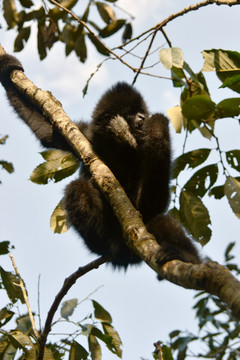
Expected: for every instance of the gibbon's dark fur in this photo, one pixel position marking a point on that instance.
(136, 147)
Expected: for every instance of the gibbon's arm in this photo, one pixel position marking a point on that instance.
(28, 111)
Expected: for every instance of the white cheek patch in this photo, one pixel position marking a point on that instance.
(119, 126)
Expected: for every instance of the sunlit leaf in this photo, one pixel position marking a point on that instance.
(94, 347)
(106, 12)
(171, 57)
(100, 313)
(58, 222)
(10, 12)
(115, 339)
(176, 118)
(112, 28)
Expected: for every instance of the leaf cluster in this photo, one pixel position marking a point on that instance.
(198, 111)
(218, 336)
(96, 327)
(54, 24)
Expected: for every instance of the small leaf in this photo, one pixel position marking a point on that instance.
(233, 159)
(195, 217)
(77, 352)
(10, 13)
(7, 166)
(68, 308)
(26, 3)
(171, 57)
(22, 37)
(10, 282)
(106, 12)
(191, 159)
(228, 108)
(80, 47)
(115, 339)
(127, 34)
(22, 341)
(176, 118)
(5, 316)
(199, 107)
(217, 192)
(59, 165)
(58, 222)
(94, 347)
(202, 180)
(100, 313)
(112, 28)
(99, 46)
(232, 191)
(4, 247)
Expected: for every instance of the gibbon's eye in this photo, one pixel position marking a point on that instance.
(138, 121)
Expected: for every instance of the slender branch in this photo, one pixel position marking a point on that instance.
(25, 296)
(145, 57)
(68, 283)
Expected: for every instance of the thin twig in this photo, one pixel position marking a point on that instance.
(25, 296)
(68, 283)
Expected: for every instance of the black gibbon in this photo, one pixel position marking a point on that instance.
(135, 145)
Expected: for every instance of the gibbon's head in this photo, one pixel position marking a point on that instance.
(122, 99)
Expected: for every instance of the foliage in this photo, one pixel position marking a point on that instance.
(3, 163)
(198, 111)
(96, 327)
(54, 24)
(218, 336)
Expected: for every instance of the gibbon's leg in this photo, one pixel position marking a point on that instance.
(93, 218)
(175, 244)
(156, 163)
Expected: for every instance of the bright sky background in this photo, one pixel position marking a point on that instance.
(143, 310)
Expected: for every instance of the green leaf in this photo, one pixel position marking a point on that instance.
(80, 47)
(77, 352)
(127, 33)
(23, 36)
(10, 282)
(99, 46)
(202, 180)
(233, 159)
(217, 192)
(172, 57)
(191, 159)
(4, 247)
(228, 108)
(7, 166)
(5, 316)
(232, 191)
(195, 217)
(106, 12)
(166, 352)
(26, 3)
(58, 222)
(94, 347)
(199, 107)
(100, 313)
(112, 28)
(59, 165)
(68, 308)
(115, 339)
(10, 13)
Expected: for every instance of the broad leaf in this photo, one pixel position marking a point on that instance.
(191, 159)
(202, 180)
(232, 191)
